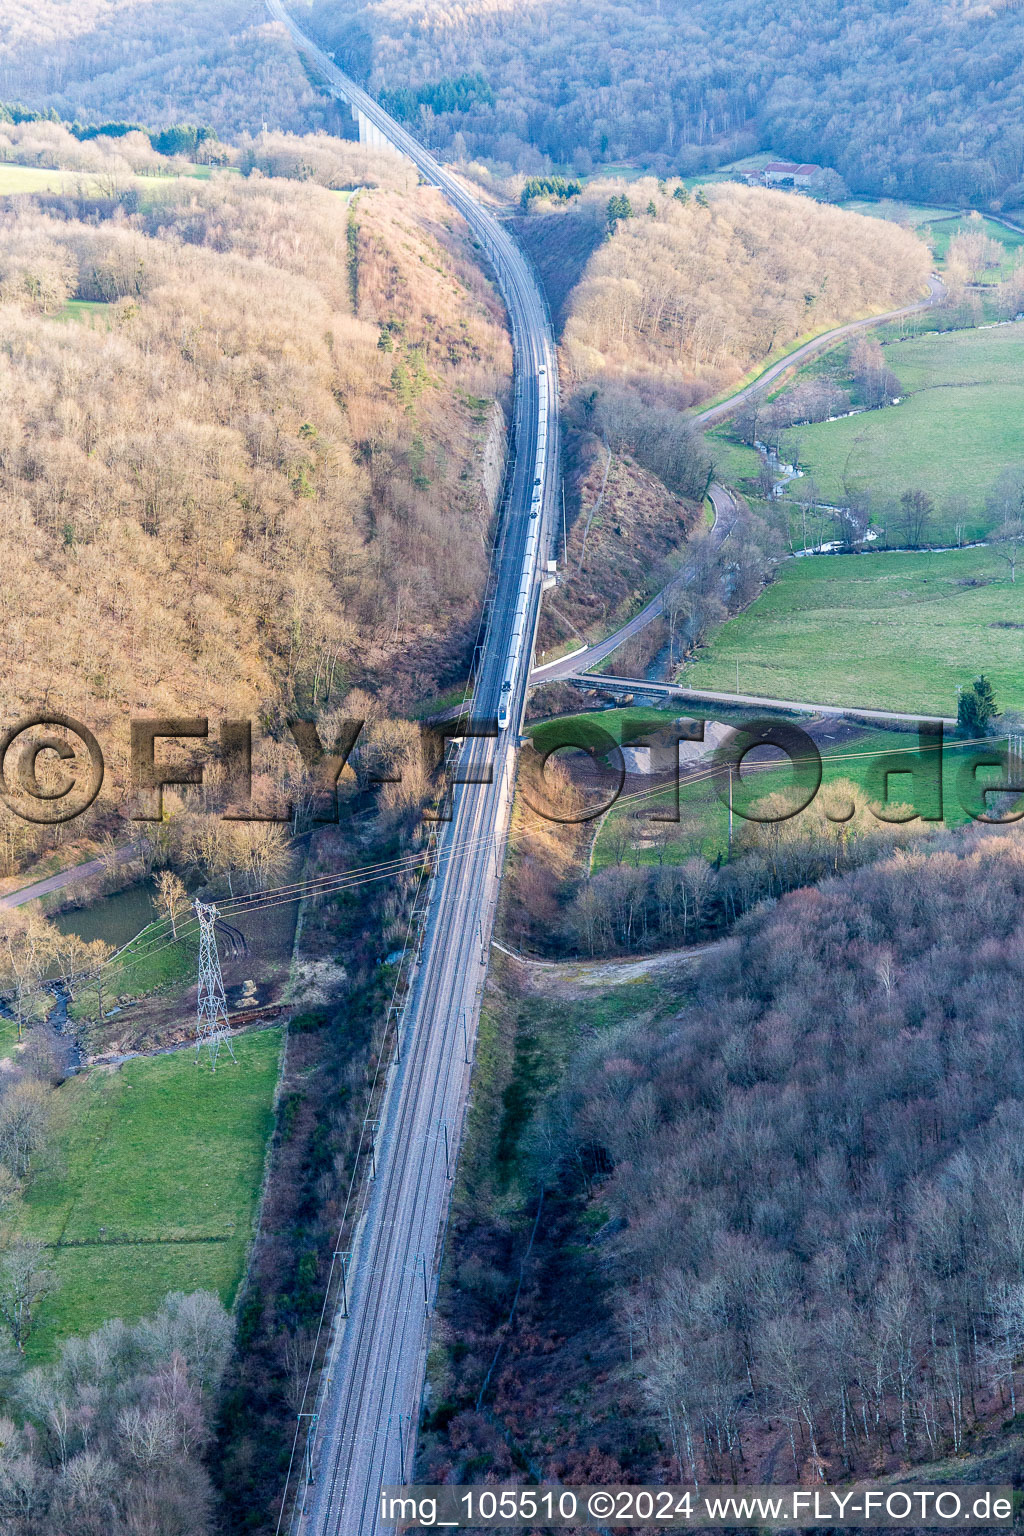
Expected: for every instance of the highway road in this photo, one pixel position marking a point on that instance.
(367, 1406)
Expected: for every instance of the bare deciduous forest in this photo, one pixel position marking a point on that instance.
(112, 1439)
(254, 434)
(219, 62)
(556, 905)
(911, 100)
(666, 298)
(689, 295)
(793, 1204)
(245, 426)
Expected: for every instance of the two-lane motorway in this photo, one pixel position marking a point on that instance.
(368, 1405)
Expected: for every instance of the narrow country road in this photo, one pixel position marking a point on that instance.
(716, 413)
(755, 700)
(569, 977)
(65, 877)
(726, 508)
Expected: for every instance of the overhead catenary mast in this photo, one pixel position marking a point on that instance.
(211, 1003)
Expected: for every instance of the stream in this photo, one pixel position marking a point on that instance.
(116, 919)
(58, 1020)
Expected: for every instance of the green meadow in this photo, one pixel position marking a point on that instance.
(940, 232)
(880, 631)
(958, 426)
(153, 1183)
(23, 179)
(152, 960)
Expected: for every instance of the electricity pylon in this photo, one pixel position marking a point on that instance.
(211, 1003)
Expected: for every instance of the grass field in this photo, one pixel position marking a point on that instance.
(960, 425)
(619, 724)
(982, 422)
(914, 214)
(886, 631)
(28, 178)
(847, 752)
(83, 309)
(735, 463)
(15, 179)
(155, 1187)
(938, 227)
(8, 1038)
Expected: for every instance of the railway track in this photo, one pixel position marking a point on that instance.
(358, 1433)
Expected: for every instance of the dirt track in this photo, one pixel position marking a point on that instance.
(571, 977)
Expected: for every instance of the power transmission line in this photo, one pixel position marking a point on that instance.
(158, 937)
(211, 1003)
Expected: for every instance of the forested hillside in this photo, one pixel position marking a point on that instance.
(915, 100)
(665, 298)
(219, 62)
(242, 450)
(899, 99)
(786, 1203)
(690, 292)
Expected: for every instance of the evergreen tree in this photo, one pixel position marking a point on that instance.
(976, 709)
(619, 207)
